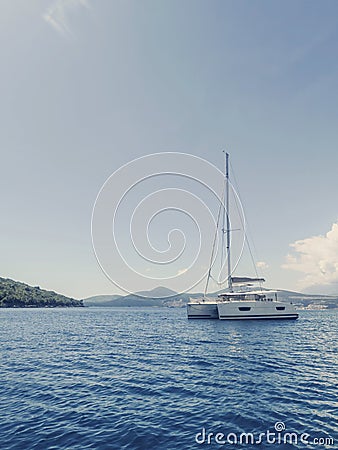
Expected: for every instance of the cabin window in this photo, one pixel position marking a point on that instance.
(280, 308)
(244, 308)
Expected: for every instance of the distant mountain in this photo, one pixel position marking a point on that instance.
(101, 300)
(154, 297)
(159, 296)
(162, 296)
(14, 294)
(157, 292)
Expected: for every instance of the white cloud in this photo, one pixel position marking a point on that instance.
(57, 15)
(262, 265)
(317, 258)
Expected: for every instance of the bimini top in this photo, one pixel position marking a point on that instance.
(237, 294)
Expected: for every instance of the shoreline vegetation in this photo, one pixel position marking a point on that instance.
(14, 294)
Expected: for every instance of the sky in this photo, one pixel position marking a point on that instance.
(87, 87)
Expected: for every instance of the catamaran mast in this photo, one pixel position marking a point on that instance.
(228, 220)
(225, 210)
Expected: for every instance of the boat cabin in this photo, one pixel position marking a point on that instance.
(258, 296)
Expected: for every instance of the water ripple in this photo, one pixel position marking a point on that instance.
(98, 378)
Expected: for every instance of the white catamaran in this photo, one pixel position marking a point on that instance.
(245, 304)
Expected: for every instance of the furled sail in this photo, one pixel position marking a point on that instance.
(244, 280)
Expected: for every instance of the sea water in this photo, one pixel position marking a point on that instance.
(107, 378)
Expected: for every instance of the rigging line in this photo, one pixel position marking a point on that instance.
(247, 240)
(223, 231)
(216, 281)
(225, 213)
(213, 248)
(245, 234)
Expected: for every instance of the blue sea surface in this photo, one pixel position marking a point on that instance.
(107, 378)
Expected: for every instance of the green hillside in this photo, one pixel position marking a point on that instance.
(14, 294)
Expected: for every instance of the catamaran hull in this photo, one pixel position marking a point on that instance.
(264, 317)
(243, 310)
(202, 311)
